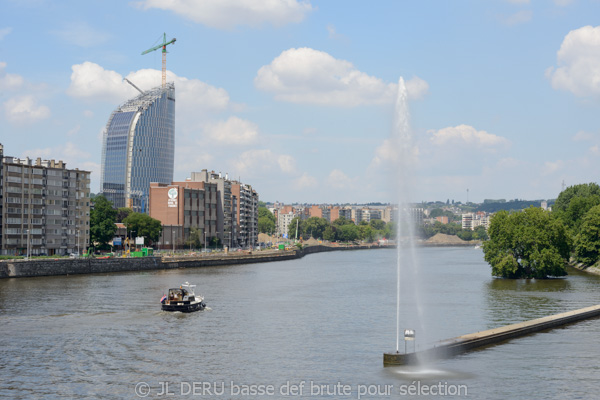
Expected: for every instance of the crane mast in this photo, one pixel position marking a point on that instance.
(164, 45)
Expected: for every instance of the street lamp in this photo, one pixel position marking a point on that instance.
(28, 244)
(173, 236)
(77, 242)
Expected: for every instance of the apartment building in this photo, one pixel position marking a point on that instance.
(44, 207)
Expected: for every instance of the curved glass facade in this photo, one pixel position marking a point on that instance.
(139, 148)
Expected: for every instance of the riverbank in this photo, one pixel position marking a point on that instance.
(584, 268)
(51, 267)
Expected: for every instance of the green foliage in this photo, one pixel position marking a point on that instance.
(587, 241)
(266, 220)
(367, 233)
(264, 212)
(195, 239)
(573, 202)
(329, 233)
(314, 227)
(348, 233)
(377, 224)
(266, 225)
(479, 233)
(102, 221)
(122, 213)
(144, 225)
(527, 244)
(492, 206)
(342, 221)
(389, 232)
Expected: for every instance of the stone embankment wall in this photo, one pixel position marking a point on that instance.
(64, 266)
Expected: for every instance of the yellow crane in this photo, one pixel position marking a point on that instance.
(164, 56)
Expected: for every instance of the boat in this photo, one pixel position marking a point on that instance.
(182, 299)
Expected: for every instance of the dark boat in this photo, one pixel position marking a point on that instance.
(182, 299)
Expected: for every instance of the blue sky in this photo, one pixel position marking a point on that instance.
(297, 98)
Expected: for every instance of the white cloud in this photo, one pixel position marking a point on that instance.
(467, 135)
(256, 161)
(286, 163)
(88, 113)
(226, 14)
(68, 152)
(305, 75)
(81, 34)
(416, 88)
(24, 109)
(9, 81)
(91, 81)
(4, 32)
(552, 167)
(518, 1)
(583, 136)
(337, 179)
(305, 182)
(73, 155)
(74, 131)
(578, 60)
(234, 131)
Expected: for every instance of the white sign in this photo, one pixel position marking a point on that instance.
(139, 241)
(172, 201)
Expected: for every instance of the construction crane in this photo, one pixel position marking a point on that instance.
(131, 83)
(164, 56)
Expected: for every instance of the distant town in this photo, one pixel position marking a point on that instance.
(47, 209)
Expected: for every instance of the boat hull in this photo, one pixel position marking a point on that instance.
(186, 308)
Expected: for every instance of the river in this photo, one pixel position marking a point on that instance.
(315, 327)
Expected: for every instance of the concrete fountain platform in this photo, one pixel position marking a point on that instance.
(462, 344)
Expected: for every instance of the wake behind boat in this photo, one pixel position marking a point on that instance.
(182, 299)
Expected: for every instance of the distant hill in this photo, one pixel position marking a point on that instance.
(491, 207)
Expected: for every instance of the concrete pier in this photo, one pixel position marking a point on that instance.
(462, 344)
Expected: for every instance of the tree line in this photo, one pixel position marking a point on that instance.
(340, 230)
(534, 243)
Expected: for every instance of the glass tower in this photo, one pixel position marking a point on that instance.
(138, 147)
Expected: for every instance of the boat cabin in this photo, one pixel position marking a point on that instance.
(180, 294)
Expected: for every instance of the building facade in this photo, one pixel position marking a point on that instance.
(226, 204)
(183, 206)
(138, 147)
(246, 215)
(227, 210)
(45, 207)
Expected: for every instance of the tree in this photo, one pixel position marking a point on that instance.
(527, 244)
(315, 227)
(102, 221)
(265, 212)
(390, 231)
(348, 233)
(144, 225)
(266, 220)
(329, 233)
(480, 233)
(196, 238)
(122, 213)
(265, 225)
(367, 233)
(573, 202)
(342, 221)
(587, 241)
(377, 224)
